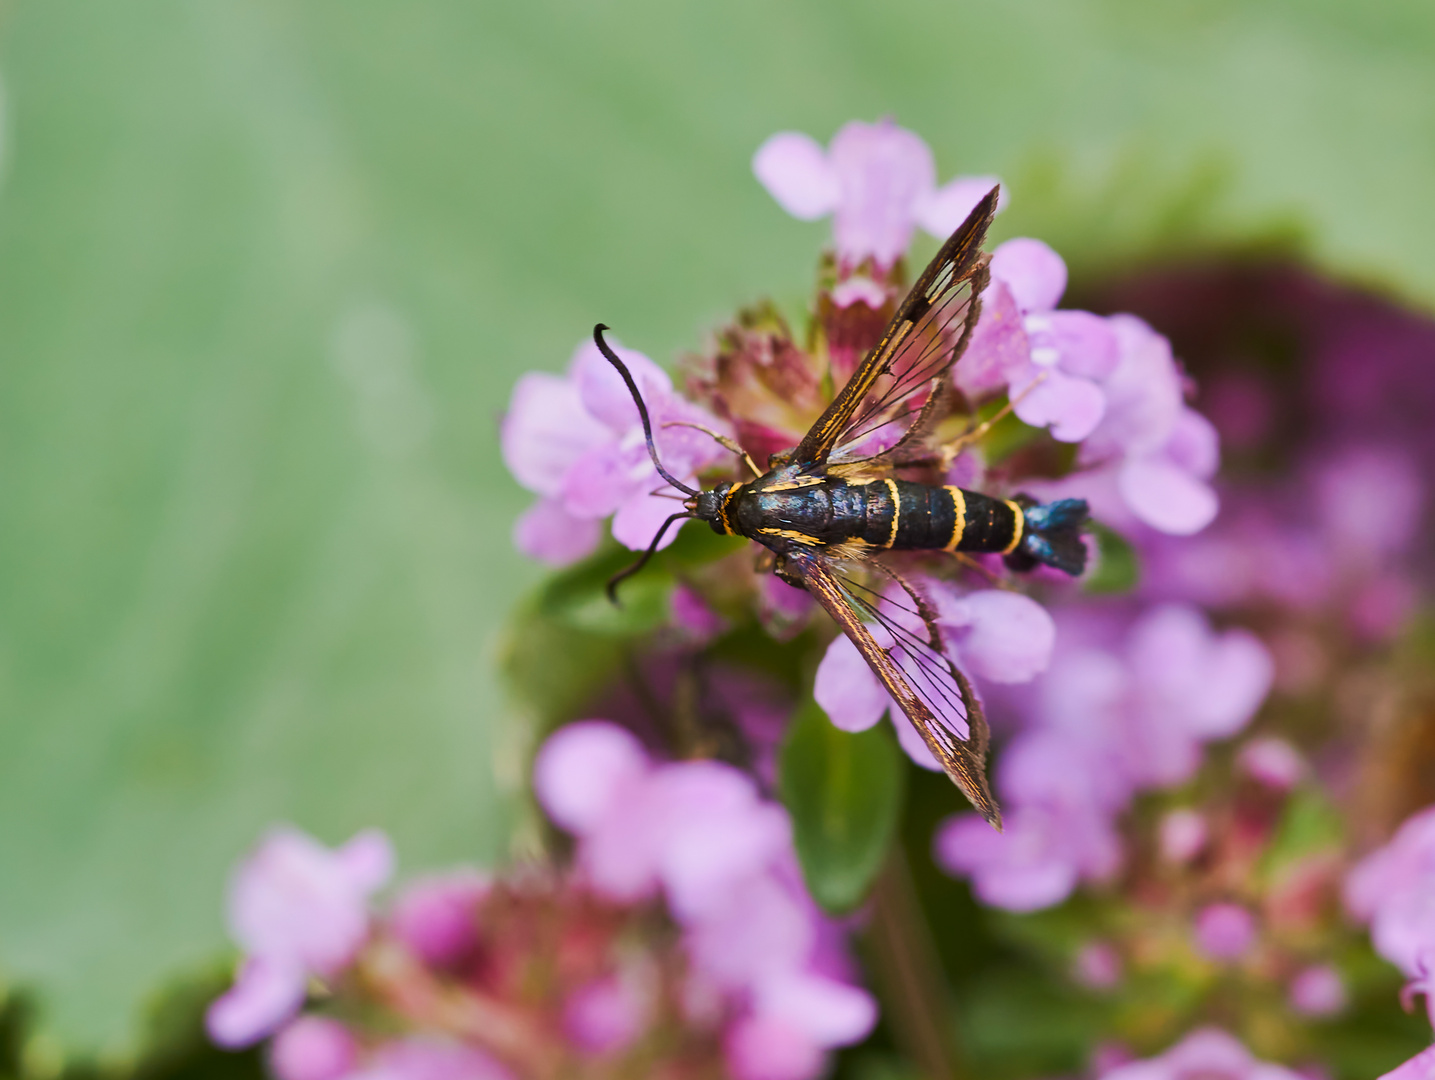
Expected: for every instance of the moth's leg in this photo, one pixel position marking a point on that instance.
(947, 452)
(792, 577)
(721, 440)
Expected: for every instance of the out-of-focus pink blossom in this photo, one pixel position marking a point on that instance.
(1208, 1053)
(435, 916)
(1318, 991)
(1272, 761)
(1422, 985)
(1183, 835)
(692, 615)
(1420, 1067)
(313, 1048)
(577, 442)
(297, 909)
(851, 696)
(996, 634)
(1393, 890)
(1224, 931)
(1097, 966)
(609, 1014)
(1370, 500)
(430, 1059)
(879, 180)
(698, 833)
(771, 1048)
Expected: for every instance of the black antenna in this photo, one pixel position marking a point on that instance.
(612, 358)
(642, 559)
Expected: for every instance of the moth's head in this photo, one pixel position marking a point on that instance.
(707, 506)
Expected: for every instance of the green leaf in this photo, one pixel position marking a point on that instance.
(844, 791)
(1117, 567)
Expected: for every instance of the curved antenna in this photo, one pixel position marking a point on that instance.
(622, 575)
(612, 358)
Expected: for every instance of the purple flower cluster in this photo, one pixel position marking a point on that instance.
(1208, 1053)
(1392, 890)
(299, 911)
(764, 962)
(577, 442)
(1125, 706)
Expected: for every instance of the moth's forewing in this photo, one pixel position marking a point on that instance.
(925, 705)
(905, 354)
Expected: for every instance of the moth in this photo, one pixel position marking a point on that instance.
(832, 508)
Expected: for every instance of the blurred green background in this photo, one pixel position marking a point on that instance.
(268, 271)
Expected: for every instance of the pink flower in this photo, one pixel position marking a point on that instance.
(1208, 1053)
(1097, 966)
(770, 1048)
(1183, 835)
(313, 1048)
(1225, 931)
(878, 179)
(1422, 985)
(297, 909)
(994, 634)
(1052, 362)
(577, 442)
(1159, 453)
(435, 916)
(610, 1013)
(431, 1059)
(1272, 761)
(1318, 991)
(1393, 889)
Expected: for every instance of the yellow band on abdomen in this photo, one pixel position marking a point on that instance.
(1017, 529)
(959, 513)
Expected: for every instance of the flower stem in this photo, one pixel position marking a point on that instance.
(914, 992)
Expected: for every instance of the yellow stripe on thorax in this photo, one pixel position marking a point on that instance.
(1018, 529)
(959, 513)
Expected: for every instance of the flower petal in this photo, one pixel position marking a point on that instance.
(1000, 635)
(942, 210)
(368, 859)
(582, 769)
(999, 349)
(883, 171)
(266, 993)
(795, 170)
(641, 516)
(911, 741)
(1166, 497)
(604, 393)
(852, 697)
(1086, 343)
(546, 531)
(1071, 405)
(545, 431)
(313, 1048)
(1035, 274)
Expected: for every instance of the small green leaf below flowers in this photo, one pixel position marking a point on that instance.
(1117, 569)
(578, 597)
(844, 792)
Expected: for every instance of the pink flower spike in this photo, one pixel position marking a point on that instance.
(436, 917)
(313, 1048)
(1274, 762)
(1318, 991)
(266, 993)
(546, 531)
(1002, 636)
(583, 769)
(1035, 274)
(795, 170)
(1225, 931)
(850, 695)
